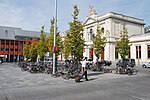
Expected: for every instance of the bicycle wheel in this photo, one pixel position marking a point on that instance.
(22, 68)
(66, 76)
(134, 71)
(129, 72)
(118, 70)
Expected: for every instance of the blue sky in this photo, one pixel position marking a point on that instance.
(32, 14)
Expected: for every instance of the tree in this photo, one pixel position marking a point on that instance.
(33, 51)
(67, 46)
(122, 44)
(42, 46)
(50, 40)
(59, 44)
(99, 43)
(26, 49)
(74, 43)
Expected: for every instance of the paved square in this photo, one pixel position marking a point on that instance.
(18, 85)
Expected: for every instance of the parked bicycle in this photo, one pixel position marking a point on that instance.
(126, 69)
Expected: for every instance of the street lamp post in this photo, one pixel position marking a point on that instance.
(55, 32)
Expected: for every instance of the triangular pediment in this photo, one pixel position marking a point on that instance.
(89, 20)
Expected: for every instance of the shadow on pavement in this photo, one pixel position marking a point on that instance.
(95, 73)
(91, 79)
(83, 80)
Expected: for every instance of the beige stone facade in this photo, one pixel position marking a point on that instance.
(112, 24)
(140, 48)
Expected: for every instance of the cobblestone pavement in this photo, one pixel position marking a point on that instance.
(18, 85)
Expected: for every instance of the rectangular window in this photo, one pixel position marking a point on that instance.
(20, 44)
(148, 51)
(11, 49)
(12, 42)
(7, 42)
(7, 49)
(16, 49)
(116, 54)
(20, 50)
(91, 34)
(138, 52)
(2, 42)
(2, 49)
(16, 43)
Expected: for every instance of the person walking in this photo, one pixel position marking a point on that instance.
(84, 68)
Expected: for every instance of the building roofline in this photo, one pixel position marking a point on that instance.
(126, 16)
(115, 16)
(121, 17)
(10, 27)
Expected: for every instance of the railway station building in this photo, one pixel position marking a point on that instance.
(111, 25)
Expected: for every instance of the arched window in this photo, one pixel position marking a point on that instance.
(91, 34)
(102, 30)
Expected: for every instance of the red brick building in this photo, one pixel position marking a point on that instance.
(12, 41)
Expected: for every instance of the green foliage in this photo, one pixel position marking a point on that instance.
(42, 46)
(74, 43)
(26, 49)
(33, 51)
(99, 43)
(59, 43)
(50, 40)
(122, 44)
